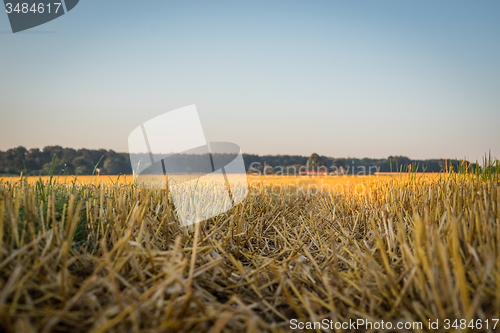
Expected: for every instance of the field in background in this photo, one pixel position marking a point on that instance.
(333, 183)
(256, 179)
(107, 256)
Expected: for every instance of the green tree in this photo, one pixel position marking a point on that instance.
(339, 165)
(116, 165)
(314, 162)
(83, 165)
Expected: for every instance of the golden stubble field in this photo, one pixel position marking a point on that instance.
(332, 183)
(107, 256)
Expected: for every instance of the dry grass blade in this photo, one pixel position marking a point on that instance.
(112, 258)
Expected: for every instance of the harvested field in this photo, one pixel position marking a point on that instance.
(111, 257)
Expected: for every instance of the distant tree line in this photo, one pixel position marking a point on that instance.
(283, 163)
(70, 161)
(83, 161)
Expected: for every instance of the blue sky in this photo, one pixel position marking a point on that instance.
(340, 78)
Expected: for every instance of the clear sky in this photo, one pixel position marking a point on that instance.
(339, 78)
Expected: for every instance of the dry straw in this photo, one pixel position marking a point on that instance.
(112, 258)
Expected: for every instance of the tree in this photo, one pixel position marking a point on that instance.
(83, 165)
(116, 165)
(339, 165)
(314, 162)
